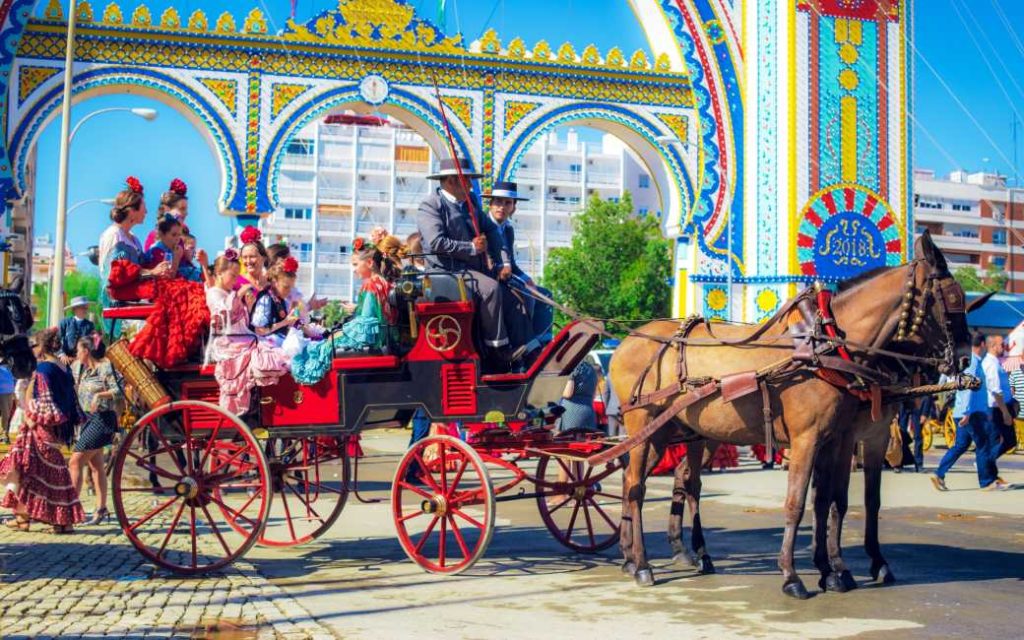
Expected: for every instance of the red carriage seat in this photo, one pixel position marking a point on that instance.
(129, 312)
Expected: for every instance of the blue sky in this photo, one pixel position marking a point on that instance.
(116, 145)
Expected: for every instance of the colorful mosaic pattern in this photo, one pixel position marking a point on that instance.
(767, 138)
(283, 94)
(461, 107)
(225, 90)
(766, 303)
(252, 140)
(30, 77)
(716, 302)
(857, 9)
(679, 125)
(515, 111)
(845, 230)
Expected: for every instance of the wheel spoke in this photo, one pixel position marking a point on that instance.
(572, 520)
(213, 440)
(192, 530)
(458, 537)
(288, 515)
(458, 477)
(174, 525)
(309, 506)
(604, 515)
(444, 473)
(470, 520)
(442, 543)
(167, 446)
(427, 476)
(411, 515)
(565, 467)
(561, 504)
(152, 514)
(216, 530)
(426, 534)
(590, 525)
(236, 514)
(415, 489)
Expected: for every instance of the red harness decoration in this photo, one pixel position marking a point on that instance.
(837, 378)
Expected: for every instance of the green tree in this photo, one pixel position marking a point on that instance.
(76, 284)
(995, 279)
(618, 266)
(332, 314)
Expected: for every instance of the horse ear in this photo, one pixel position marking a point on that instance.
(978, 303)
(926, 250)
(17, 285)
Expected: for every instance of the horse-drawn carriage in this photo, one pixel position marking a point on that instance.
(195, 487)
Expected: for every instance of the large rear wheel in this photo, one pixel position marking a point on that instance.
(579, 503)
(191, 487)
(442, 501)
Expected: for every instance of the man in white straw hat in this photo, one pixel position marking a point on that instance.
(77, 325)
(460, 238)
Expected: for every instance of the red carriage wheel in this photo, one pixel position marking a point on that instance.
(443, 504)
(310, 478)
(180, 470)
(580, 504)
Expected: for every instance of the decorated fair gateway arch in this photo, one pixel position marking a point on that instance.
(775, 131)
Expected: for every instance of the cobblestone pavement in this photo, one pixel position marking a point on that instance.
(95, 584)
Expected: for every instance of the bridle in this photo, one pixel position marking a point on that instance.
(941, 287)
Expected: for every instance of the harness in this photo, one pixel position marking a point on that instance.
(818, 345)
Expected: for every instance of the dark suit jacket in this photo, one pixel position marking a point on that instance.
(510, 244)
(448, 232)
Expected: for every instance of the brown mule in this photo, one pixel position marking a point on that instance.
(808, 413)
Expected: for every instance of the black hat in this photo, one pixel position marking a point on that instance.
(508, 190)
(448, 168)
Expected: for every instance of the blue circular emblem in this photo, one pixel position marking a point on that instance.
(848, 243)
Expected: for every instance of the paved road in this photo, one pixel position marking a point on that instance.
(959, 557)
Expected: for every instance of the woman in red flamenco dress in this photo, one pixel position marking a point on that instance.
(36, 479)
(174, 330)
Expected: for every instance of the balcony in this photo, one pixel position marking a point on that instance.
(375, 165)
(563, 175)
(568, 206)
(418, 168)
(411, 197)
(603, 178)
(528, 174)
(336, 194)
(323, 257)
(297, 160)
(372, 195)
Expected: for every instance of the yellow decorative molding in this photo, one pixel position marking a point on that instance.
(112, 14)
(255, 23)
(84, 12)
(515, 111)
(198, 21)
(566, 53)
(383, 24)
(54, 10)
(663, 63)
(542, 50)
(591, 55)
(141, 17)
(30, 77)
(678, 124)
(225, 90)
(170, 19)
(517, 48)
(461, 107)
(614, 58)
(490, 43)
(226, 24)
(639, 61)
(283, 94)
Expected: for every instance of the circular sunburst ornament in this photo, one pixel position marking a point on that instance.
(767, 300)
(716, 299)
(443, 333)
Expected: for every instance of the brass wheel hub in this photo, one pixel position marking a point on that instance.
(187, 488)
(436, 505)
(579, 493)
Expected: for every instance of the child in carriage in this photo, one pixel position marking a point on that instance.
(272, 314)
(170, 248)
(229, 315)
(373, 318)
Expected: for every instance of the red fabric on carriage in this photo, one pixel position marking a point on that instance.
(175, 329)
(125, 283)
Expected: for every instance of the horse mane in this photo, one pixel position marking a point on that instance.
(860, 279)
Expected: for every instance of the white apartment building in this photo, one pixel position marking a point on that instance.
(365, 172)
(975, 219)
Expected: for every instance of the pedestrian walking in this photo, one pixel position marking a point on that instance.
(1000, 397)
(98, 394)
(578, 399)
(970, 410)
(37, 483)
(6, 403)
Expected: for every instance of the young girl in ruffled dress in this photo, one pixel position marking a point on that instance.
(170, 248)
(373, 321)
(229, 315)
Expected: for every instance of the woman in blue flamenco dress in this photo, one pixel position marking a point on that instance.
(373, 319)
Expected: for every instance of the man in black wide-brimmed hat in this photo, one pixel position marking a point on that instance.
(457, 244)
(504, 198)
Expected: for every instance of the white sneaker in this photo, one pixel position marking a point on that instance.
(998, 485)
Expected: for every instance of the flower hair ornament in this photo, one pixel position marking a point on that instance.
(250, 234)
(134, 185)
(290, 265)
(359, 244)
(230, 254)
(179, 187)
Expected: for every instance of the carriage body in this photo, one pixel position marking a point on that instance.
(297, 441)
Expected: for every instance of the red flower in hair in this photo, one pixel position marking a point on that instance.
(179, 187)
(290, 265)
(134, 184)
(358, 244)
(250, 234)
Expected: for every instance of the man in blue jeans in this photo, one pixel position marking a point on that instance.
(970, 410)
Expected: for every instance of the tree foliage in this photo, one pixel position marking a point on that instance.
(618, 266)
(995, 279)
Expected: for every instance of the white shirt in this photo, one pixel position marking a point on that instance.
(996, 380)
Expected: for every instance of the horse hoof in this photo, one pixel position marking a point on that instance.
(629, 568)
(706, 566)
(644, 577)
(885, 575)
(796, 589)
(846, 578)
(833, 582)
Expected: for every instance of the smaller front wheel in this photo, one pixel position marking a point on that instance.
(579, 503)
(442, 501)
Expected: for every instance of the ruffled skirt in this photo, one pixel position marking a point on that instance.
(40, 478)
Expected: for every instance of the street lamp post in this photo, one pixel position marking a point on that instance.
(78, 205)
(56, 307)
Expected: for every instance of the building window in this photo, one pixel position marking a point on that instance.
(300, 148)
(999, 236)
(298, 214)
(643, 211)
(575, 168)
(997, 261)
(613, 199)
(927, 204)
(962, 206)
(644, 181)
